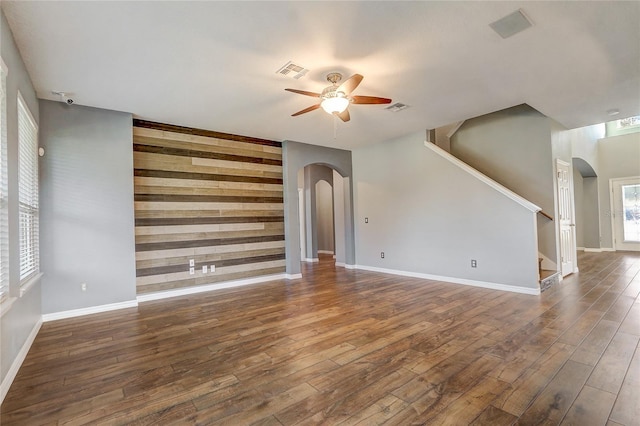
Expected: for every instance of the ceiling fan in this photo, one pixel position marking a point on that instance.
(335, 99)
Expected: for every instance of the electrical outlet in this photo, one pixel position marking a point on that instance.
(192, 271)
(474, 263)
(366, 220)
(204, 269)
(381, 255)
(83, 286)
(212, 268)
(192, 262)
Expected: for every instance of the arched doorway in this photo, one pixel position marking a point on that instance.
(587, 205)
(322, 214)
(297, 183)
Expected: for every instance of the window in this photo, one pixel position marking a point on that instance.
(631, 210)
(4, 206)
(28, 192)
(626, 123)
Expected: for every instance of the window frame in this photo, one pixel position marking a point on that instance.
(28, 194)
(4, 198)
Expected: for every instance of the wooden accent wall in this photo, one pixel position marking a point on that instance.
(209, 196)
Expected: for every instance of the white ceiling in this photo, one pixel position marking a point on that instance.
(213, 65)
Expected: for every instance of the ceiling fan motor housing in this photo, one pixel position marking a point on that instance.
(334, 77)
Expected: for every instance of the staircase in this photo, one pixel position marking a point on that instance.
(547, 277)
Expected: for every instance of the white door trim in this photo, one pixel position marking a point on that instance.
(612, 207)
(570, 266)
(301, 224)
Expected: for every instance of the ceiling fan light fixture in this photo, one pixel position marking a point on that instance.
(335, 99)
(334, 105)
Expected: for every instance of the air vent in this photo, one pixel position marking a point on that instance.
(511, 24)
(397, 107)
(292, 70)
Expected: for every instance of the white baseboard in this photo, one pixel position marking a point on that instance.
(293, 276)
(17, 362)
(592, 250)
(311, 260)
(607, 249)
(580, 248)
(344, 265)
(464, 281)
(210, 287)
(325, 252)
(88, 311)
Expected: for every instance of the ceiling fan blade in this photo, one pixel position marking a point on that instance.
(370, 100)
(303, 92)
(344, 115)
(350, 84)
(311, 108)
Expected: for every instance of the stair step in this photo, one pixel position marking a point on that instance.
(544, 273)
(548, 279)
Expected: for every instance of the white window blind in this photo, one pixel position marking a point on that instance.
(4, 206)
(28, 192)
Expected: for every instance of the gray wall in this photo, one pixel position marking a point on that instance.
(17, 323)
(584, 144)
(619, 156)
(513, 147)
(296, 155)
(315, 232)
(591, 212)
(578, 198)
(431, 217)
(585, 188)
(338, 217)
(86, 216)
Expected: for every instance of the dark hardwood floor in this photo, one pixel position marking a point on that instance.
(352, 347)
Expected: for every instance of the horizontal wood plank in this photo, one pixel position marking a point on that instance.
(205, 197)
(144, 124)
(225, 158)
(198, 143)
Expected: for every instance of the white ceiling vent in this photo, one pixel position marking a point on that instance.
(397, 107)
(511, 24)
(292, 70)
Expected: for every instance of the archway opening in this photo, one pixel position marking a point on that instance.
(323, 212)
(587, 205)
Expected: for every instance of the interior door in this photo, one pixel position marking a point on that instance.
(625, 199)
(566, 218)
